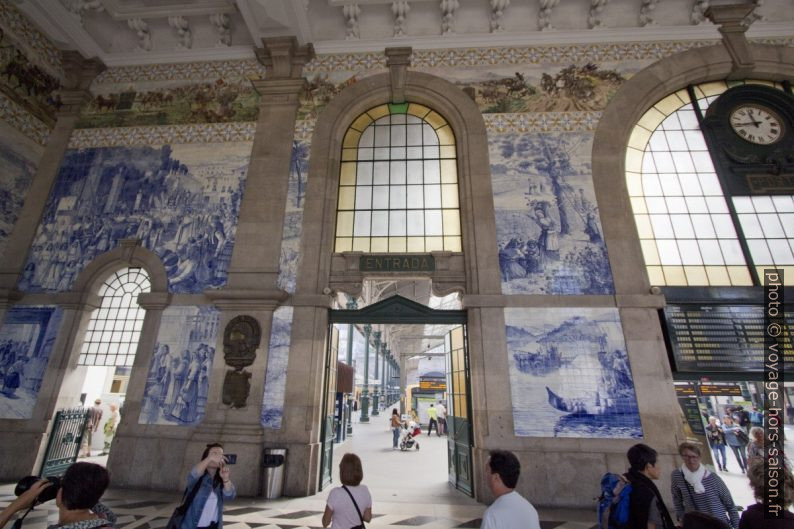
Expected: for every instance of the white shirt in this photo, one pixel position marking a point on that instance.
(510, 511)
(345, 515)
(209, 513)
(442, 411)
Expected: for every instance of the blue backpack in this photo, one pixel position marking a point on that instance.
(613, 504)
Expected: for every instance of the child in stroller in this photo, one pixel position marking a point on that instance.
(408, 440)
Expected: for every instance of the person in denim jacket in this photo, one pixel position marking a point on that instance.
(206, 510)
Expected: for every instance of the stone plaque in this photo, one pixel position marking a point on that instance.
(397, 263)
(240, 340)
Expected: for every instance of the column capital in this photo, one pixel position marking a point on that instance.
(398, 60)
(352, 304)
(734, 21)
(80, 72)
(274, 90)
(72, 101)
(376, 334)
(246, 299)
(154, 300)
(367, 330)
(283, 58)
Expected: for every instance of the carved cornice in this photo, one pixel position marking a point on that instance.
(154, 300)
(249, 299)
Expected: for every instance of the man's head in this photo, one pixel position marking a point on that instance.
(98, 402)
(82, 485)
(642, 458)
(431, 405)
(502, 471)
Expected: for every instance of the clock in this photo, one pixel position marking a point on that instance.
(756, 123)
(749, 130)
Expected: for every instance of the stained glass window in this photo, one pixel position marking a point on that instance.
(398, 185)
(685, 228)
(115, 327)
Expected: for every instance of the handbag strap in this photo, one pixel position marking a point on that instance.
(354, 504)
(189, 499)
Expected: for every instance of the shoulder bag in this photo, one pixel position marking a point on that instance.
(361, 526)
(176, 519)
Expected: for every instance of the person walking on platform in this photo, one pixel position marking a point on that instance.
(396, 426)
(433, 414)
(737, 439)
(442, 418)
(717, 441)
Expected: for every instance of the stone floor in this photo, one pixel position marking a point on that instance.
(409, 489)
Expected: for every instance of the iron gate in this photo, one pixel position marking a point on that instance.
(64, 444)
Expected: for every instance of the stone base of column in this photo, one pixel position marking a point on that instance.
(375, 411)
(364, 417)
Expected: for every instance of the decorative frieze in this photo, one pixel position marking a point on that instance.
(541, 122)
(187, 71)
(169, 134)
(36, 45)
(23, 121)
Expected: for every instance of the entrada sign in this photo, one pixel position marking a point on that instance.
(397, 263)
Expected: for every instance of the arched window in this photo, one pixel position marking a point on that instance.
(115, 327)
(398, 187)
(685, 226)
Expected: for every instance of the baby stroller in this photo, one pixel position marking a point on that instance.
(408, 440)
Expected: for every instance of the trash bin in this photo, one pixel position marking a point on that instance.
(274, 460)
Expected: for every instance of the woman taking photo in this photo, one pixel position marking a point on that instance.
(350, 505)
(206, 509)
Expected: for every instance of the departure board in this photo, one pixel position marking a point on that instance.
(722, 338)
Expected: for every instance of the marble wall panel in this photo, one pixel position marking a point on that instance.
(276, 375)
(180, 200)
(178, 381)
(570, 375)
(547, 225)
(26, 339)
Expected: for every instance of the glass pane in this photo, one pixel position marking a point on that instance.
(449, 172)
(379, 245)
(413, 153)
(398, 172)
(361, 226)
(447, 151)
(414, 134)
(380, 173)
(414, 171)
(380, 197)
(363, 197)
(343, 244)
(364, 176)
(346, 197)
(416, 222)
(781, 252)
(351, 138)
(432, 196)
(703, 227)
(415, 244)
(431, 152)
(398, 135)
(433, 222)
(710, 252)
(397, 197)
(662, 227)
(415, 197)
(690, 252)
(434, 244)
(449, 194)
(723, 226)
(453, 244)
(382, 153)
(367, 139)
(380, 223)
(731, 252)
(397, 244)
(431, 174)
(348, 174)
(429, 136)
(668, 252)
(445, 135)
(362, 122)
(771, 225)
(361, 244)
(396, 223)
(451, 222)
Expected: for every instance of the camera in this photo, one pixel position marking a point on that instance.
(46, 494)
(231, 459)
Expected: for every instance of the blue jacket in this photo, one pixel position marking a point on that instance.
(193, 513)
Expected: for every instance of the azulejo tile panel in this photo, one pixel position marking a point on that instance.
(23, 121)
(166, 134)
(180, 200)
(178, 382)
(293, 216)
(26, 339)
(541, 122)
(187, 71)
(17, 167)
(548, 228)
(570, 375)
(276, 375)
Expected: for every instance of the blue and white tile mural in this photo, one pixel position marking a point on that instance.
(26, 341)
(570, 375)
(293, 216)
(178, 381)
(16, 173)
(547, 224)
(276, 376)
(181, 200)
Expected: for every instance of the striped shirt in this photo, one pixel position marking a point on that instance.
(716, 500)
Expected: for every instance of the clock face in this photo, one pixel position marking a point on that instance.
(756, 124)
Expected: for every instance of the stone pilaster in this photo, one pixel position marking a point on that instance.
(398, 60)
(732, 21)
(73, 95)
(254, 265)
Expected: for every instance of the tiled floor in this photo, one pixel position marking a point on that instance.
(409, 489)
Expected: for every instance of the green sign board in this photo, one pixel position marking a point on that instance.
(397, 263)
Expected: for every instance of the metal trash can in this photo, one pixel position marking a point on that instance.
(273, 480)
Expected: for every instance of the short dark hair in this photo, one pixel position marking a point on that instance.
(83, 484)
(350, 471)
(505, 463)
(640, 456)
(210, 447)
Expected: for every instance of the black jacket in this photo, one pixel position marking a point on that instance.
(643, 492)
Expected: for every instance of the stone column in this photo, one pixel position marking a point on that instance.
(73, 94)
(364, 417)
(375, 388)
(383, 376)
(351, 305)
(252, 285)
(404, 406)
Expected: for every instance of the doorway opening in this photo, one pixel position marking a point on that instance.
(408, 356)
